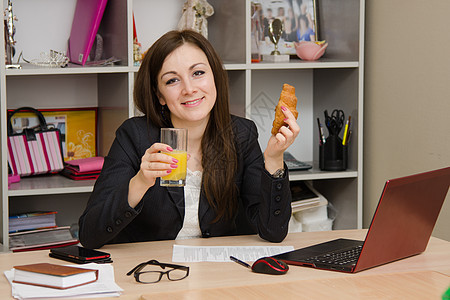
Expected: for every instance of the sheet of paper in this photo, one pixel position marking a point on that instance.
(104, 286)
(222, 253)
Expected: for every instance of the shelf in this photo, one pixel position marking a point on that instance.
(51, 184)
(316, 174)
(293, 64)
(29, 69)
(300, 64)
(228, 67)
(56, 184)
(234, 67)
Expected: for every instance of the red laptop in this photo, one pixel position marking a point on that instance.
(401, 227)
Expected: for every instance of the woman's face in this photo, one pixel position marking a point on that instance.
(186, 84)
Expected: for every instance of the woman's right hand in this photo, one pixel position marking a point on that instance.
(154, 164)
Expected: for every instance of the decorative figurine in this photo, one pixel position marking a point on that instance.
(137, 47)
(194, 16)
(10, 30)
(137, 53)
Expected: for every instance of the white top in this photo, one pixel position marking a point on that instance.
(191, 225)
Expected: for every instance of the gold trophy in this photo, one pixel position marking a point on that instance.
(275, 32)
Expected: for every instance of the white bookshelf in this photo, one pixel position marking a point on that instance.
(335, 81)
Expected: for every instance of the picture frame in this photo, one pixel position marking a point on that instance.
(299, 19)
(78, 128)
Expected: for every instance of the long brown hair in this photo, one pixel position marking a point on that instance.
(219, 158)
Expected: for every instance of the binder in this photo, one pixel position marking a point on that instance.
(86, 21)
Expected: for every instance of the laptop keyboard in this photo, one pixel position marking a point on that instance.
(338, 258)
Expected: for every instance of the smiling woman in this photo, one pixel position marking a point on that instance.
(186, 85)
(229, 188)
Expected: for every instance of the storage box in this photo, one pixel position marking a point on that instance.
(319, 218)
(323, 225)
(312, 215)
(294, 225)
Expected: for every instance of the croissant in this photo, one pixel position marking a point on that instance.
(288, 100)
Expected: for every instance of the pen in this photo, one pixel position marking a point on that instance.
(321, 136)
(242, 263)
(346, 131)
(349, 136)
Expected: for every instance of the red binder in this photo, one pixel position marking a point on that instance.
(86, 21)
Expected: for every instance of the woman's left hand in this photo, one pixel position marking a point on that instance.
(281, 141)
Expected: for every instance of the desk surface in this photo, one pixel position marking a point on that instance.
(424, 274)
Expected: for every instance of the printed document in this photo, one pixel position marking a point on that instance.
(222, 253)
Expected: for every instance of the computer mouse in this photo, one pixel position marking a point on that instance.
(270, 265)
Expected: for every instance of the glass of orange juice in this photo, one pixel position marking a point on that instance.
(177, 139)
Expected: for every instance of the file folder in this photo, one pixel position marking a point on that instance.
(86, 21)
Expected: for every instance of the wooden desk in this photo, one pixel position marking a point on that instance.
(424, 276)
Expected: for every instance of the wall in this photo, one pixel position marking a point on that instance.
(407, 91)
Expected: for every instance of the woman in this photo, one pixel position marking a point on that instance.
(304, 32)
(291, 26)
(231, 188)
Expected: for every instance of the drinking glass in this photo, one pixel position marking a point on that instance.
(177, 139)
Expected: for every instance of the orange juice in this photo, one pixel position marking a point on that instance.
(180, 172)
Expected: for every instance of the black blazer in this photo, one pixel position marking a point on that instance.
(264, 202)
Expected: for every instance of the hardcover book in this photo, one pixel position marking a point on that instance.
(301, 191)
(53, 276)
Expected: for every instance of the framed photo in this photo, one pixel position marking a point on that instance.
(297, 16)
(78, 128)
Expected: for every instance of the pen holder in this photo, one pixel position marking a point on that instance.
(333, 155)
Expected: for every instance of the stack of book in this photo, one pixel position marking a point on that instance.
(32, 221)
(37, 230)
(41, 239)
(305, 197)
(84, 168)
(53, 281)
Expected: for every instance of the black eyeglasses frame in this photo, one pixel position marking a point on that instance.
(137, 270)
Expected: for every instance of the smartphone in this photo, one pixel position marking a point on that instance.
(81, 255)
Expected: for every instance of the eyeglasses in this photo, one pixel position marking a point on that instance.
(151, 275)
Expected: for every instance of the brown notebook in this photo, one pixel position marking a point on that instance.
(53, 276)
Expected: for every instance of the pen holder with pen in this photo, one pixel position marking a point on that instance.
(333, 154)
